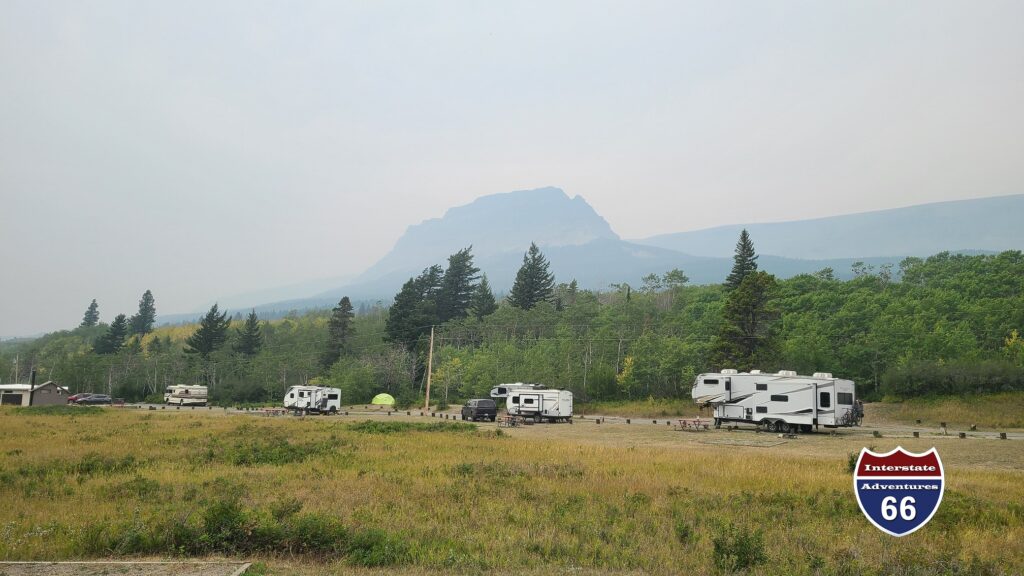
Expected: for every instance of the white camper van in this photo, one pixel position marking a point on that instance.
(503, 390)
(782, 402)
(313, 399)
(540, 405)
(181, 395)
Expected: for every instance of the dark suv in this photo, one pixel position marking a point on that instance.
(483, 408)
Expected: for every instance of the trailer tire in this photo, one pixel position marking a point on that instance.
(333, 410)
(536, 418)
(780, 426)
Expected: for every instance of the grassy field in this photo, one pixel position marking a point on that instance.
(992, 411)
(421, 495)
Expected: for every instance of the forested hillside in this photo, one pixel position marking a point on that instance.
(945, 324)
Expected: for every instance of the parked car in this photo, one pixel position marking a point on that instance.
(480, 409)
(76, 397)
(95, 399)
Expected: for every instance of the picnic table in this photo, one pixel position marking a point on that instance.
(510, 421)
(691, 425)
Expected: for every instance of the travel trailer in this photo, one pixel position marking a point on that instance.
(540, 405)
(181, 395)
(781, 402)
(503, 390)
(313, 399)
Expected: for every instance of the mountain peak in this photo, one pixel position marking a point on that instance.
(496, 224)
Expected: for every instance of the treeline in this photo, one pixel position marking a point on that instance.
(946, 324)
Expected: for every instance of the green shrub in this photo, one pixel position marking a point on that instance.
(384, 427)
(375, 547)
(737, 548)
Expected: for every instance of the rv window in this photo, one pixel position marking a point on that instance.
(332, 396)
(515, 399)
(761, 409)
(528, 401)
(845, 398)
(184, 391)
(502, 390)
(292, 395)
(762, 386)
(711, 381)
(826, 399)
(780, 398)
(303, 394)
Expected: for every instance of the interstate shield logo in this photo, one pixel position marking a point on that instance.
(899, 491)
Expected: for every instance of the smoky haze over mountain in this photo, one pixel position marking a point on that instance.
(582, 246)
(203, 150)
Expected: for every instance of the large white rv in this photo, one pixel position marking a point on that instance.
(781, 402)
(503, 390)
(313, 399)
(181, 395)
(540, 405)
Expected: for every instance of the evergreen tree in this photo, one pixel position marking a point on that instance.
(534, 283)
(92, 315)
(747, 338)
(483, 302)
(339, 332)
(415, 308)
(211, 334)
(113, 340)
(457, 286)
(142, 323)
(744, 262)
(250, 337)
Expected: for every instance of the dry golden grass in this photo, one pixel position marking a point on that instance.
(607, 498)
(990, 411)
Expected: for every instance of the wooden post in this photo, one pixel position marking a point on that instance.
(430, 368)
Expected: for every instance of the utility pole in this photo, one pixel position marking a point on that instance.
(430, 368)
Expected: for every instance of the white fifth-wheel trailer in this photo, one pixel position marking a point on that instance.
(782, 402)
(540, 405)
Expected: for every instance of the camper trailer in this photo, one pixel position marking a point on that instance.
(540, 404)
(316, 399)
(503, 390)
(182, 395)
(781, 402)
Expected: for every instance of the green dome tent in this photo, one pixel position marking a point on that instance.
(383, 400)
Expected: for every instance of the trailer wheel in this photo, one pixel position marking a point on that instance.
(536, 418)
(333, 410)
(780, 426)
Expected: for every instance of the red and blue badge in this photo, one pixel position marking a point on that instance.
(899, 491)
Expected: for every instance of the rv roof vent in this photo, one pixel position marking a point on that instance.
(729, 371)
(787, 373)
(755, 371)
(822, 374)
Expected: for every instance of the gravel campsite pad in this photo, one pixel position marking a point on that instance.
(122, 568)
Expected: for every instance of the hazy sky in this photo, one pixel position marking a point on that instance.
(203, 149)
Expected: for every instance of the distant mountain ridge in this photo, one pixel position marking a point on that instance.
(984, 224)
(581, 245)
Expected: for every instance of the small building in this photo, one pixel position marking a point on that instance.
(45, 394)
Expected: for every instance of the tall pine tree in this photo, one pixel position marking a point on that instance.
(483, 302)
(744, 262)
(250, 337)
(457, 286)
(414, 309)
(211, 334)
(113, 340)
(92, 315)
(142, 322)
(534, 283)
(339, 333)
(747, 338)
